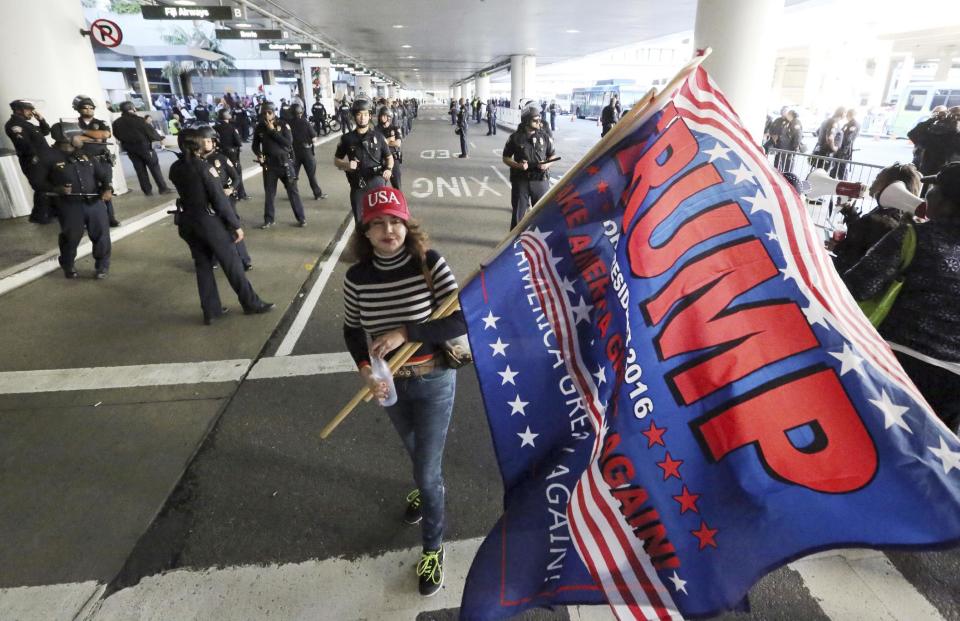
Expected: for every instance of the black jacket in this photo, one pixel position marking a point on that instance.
(303, 134)
(201, 191)
(27, 138)
(134, 132)
(229, 137)
(83, 173)
(274, 145)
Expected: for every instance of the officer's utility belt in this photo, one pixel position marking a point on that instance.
(421, 368)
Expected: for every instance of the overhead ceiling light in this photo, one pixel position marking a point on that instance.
(184, 2)
(411, 56)
(244, 25)
(406, 46)
(398, 26)
(571, 31)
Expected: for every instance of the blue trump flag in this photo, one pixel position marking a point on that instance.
(681, 393)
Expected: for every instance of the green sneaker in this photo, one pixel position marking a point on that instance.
(430, 571)
(414, 512)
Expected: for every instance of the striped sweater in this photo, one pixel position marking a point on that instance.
(389, 292)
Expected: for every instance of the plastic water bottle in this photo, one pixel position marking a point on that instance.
(381, 373)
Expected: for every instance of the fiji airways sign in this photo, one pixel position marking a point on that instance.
(210, 13)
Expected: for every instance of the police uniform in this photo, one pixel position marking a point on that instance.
(462, 129)
(275, 147)
(206, 222)
(202, 114)
(829, 128)
(491, 118)
(82, 207)
(850, 131)
(553, 116)
(231, 181)
(136, 136)
(243, 122)
(99, 151)
(393, 132)
(29, 142)
(789, 140)
(230, 144)
(303, 135)
(318, 112)
(344, 112)
(608, 116)
(371, 151)
(527, 186)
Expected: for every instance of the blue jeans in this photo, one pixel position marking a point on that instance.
(421, 416)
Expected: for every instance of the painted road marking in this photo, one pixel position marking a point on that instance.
(310, 364)
(303, 316)
(32, 269)
(506, 181)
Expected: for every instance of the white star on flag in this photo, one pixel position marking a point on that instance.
(892, 413)
(678, 584)
(601, 374)
(790, 271)
(849, 361)
(541, 235)
(567, 285)
(517, 406)
(552, 259)
(949, 459)
(527, 437)
(741, 174)
(490, 321)
(816, 315)
(756, 203)
(581, 311)
(499, 347)
(507, 376)
(772, 236)
(717, 153)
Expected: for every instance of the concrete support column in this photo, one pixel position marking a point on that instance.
(36, 57)
(144, 84)
(946, 61)
(904, 74)
(483, 87)
(469, 89)
(364, 86)
(741, 35)
(881, 72)
(458, 91)
(268, 79)
(523, 78)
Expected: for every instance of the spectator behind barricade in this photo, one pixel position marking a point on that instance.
(923, 325)
(863, 231)
(939, 140)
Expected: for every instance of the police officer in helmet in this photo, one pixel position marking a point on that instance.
(210, 227)
(95, 135)
(273, 146)
(136, 136)
(364, 156)
(82, 184)
(29, 142)
(303, 136)
(229, 142)
(393, 136)
(318, 113)
(527, 153)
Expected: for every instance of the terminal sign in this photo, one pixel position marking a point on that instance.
(275, 46)
(296, 54)
(249, 34)
(190, 12)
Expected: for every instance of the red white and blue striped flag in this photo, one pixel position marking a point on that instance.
(682, 394)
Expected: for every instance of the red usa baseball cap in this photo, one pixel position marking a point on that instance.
(384, 201)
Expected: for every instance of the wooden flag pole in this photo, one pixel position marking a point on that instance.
(449, 305)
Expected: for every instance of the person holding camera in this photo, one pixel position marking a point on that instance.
(210, 227)
(82, 183)
(273, 148)
(528, 153)
(136, 136)
(29, 142)
(364, 155)
(938, 140)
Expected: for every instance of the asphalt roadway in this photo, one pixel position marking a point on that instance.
(148, 460)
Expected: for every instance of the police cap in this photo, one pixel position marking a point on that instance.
(359, 105)
(21, 104)
(82, 100)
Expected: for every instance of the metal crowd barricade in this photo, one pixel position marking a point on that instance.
(825, 210)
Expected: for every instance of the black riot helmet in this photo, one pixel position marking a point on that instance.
(266, 107)
(64, 131)
(127, 107)
(359, 105)
(294, 110)
(205, 131)
(82, 100)
(385, 111)
(224, 114)
(190, 141)
(528, 114)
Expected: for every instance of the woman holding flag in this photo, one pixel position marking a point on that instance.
(389, 296)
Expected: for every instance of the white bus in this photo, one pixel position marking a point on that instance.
(918, 100)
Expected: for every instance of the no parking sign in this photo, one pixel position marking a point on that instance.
(105, 32)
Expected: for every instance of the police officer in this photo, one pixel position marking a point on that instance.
(273, 147)
(392, 135)
(303, 153)
(228, 138)
(318, 112)
(241, 118)
(136, 136)
(462, 127)
(552, 108)
(343, 111)
(850, 131)
(828, 138)
(527, 153)
(82, 184)
(202, 114)
(364, 156)
(491, 118)
(608, 116)
(210, 227)
(230, 180)
(29, 142)
(95, 135)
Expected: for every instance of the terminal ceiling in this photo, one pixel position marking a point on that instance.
(450, 41)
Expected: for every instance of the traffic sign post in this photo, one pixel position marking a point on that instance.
(105, 32)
